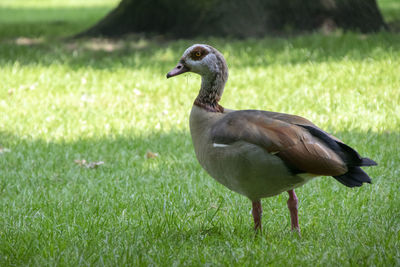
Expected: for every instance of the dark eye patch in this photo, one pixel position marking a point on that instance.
(198, 53)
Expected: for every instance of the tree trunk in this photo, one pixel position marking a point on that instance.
(239, 18)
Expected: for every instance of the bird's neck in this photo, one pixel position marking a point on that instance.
(212, 87)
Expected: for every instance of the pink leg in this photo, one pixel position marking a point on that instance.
(257, 214)
(292, 205)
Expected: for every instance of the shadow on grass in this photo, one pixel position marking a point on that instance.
(138, 52)
(117, 152)
(133, 199)
(127, 155)
(395, 26)
(51, 22)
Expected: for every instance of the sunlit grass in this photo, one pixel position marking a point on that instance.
(56, 3)
(50, 18)
(109, 101)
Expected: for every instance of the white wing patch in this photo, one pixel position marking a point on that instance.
(219, 145)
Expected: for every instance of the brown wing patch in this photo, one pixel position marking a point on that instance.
(313, 158)
(293, 144)
(294, 119)
(198, 53)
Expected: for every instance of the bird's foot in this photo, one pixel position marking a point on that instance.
(296, 230)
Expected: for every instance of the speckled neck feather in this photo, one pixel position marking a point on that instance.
(212, 86)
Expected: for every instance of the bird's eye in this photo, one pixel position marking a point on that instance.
(198, 54)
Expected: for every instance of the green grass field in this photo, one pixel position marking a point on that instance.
(101, 100)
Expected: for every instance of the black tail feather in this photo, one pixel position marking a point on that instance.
(354, 177)
(368, 162)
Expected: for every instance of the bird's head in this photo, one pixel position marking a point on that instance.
(201, 59)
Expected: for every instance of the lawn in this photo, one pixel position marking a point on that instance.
(150, 203)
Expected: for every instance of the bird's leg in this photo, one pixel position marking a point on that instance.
(292, 205)
(257, 214)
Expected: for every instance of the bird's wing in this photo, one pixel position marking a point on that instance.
(299, 143)
(297, 120)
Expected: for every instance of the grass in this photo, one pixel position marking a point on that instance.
(109, 101)
(49, 18)
(390, 9)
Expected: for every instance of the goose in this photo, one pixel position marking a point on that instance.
(258, 153)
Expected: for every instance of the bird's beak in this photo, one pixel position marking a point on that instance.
(179, 69)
